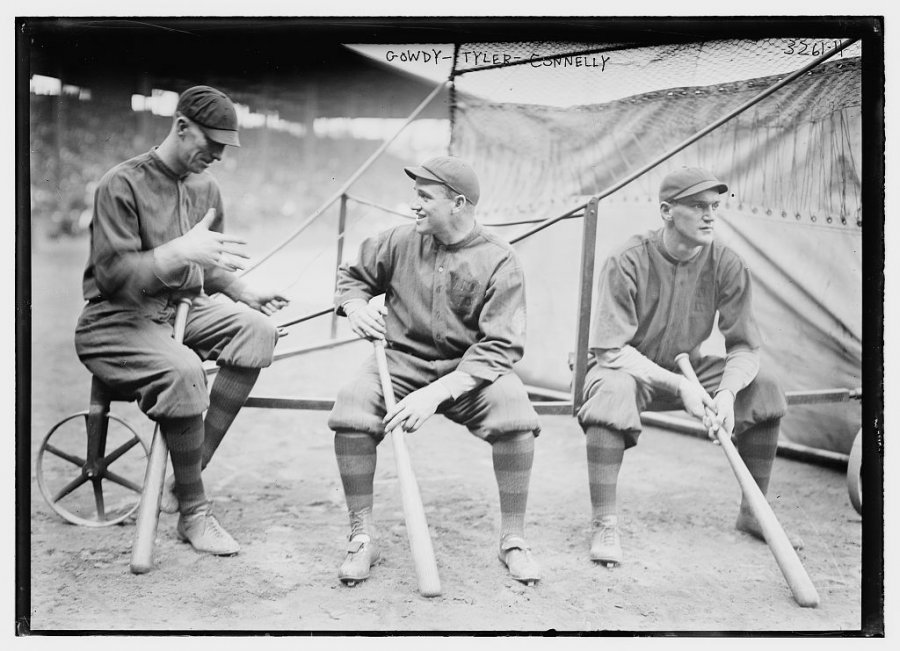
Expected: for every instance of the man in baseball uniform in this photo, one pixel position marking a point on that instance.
(156, 238)
(658, 296)
(454, 324)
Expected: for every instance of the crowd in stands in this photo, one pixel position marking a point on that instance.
(274, 176)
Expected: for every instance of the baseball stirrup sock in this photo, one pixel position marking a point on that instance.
(356, 458)
(184, 437)
(229, 392)
(757, 447)
(605, 450)
(513, 457)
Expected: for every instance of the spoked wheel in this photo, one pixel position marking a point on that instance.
(854, 476)
(92, 488)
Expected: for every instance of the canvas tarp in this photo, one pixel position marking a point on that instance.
(793, 213)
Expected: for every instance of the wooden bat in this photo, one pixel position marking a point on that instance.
(794, 573)
(413, 511)
(154, 478)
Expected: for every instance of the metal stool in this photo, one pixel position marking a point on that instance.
(116, 477)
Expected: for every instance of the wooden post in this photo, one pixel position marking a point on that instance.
(585, 297)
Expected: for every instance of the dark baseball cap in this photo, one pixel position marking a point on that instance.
(688, 181)
(453, 172)
(213, 112)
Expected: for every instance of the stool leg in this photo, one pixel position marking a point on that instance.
(97, 430)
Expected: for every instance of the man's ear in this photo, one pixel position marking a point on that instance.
(459, 202)
(665, 211)
(181, 125)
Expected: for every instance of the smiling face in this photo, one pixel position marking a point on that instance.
(690, 222)
(196, 152)
(436, 208)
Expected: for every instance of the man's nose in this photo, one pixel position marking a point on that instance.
(216, 151)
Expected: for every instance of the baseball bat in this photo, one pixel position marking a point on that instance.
(154, 477)
(413, 511)
(794, 573)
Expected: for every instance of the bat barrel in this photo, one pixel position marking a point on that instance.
(413, 511)
(154, 478)
(798, 580)
(148, 509)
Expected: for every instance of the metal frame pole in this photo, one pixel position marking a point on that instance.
(342, 223)
(353, 178)
(694, 138)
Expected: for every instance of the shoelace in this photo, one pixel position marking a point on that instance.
(608, 534)
(213, 526)
(358, 524)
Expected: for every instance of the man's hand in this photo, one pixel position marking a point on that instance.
(416, 408)
(694, 398)
(723, 405)
(267, 302)
(211, 248)
(366, 320)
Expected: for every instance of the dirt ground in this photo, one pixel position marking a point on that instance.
(277, 490)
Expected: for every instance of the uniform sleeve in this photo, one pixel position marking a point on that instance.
(641, 368)
(734, 303)
(368, 276)
(122, 268)
(502, 325)
(737, 324)
(615, 320)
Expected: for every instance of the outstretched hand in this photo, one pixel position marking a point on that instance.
(211, 248)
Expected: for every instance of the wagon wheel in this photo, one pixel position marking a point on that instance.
(854, 473)
(92, 492)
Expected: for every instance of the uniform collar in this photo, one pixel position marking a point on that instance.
(468, 239)
(168, 171)
(661, 247)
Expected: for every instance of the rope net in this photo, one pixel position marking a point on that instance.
(548, 125)
(559, 127)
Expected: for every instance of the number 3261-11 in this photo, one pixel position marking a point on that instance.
(809, 48)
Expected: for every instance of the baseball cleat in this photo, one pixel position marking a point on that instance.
(202, 530)
(606, 547)
(516, 556)
(362, 553)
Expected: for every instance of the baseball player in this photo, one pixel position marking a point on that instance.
(658, 296)
(454, 325)
(155, 238)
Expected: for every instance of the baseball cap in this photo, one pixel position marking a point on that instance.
(687, 181)
(213, 112)
(452, 172)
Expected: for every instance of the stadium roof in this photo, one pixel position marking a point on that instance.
(268, 64)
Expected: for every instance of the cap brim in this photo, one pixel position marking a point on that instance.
(222, 136)
(703, 186)
(421, 173)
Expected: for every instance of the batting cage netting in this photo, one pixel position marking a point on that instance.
(549, 125)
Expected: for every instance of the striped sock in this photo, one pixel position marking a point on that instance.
(184, 436)
(513, 456)
(229, 393)
(356, 457)
(605, 450)
(757, 446)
